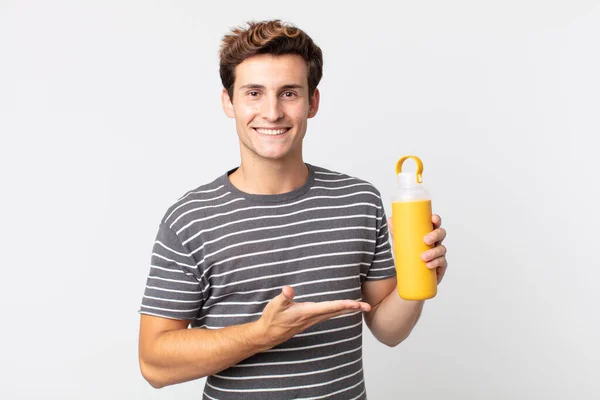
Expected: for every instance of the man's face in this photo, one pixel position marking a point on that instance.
(271, 106)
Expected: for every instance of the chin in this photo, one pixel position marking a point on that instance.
(274, 154)
(273, 157)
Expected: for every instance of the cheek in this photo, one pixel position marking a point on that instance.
(299, 115)
(246, 114)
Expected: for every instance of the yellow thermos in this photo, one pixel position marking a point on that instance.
(411, 220)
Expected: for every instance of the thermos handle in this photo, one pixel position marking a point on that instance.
(419, 167)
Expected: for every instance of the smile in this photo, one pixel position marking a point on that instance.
(271, 132)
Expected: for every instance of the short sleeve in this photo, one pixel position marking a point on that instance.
(382, 266)
(172, 288)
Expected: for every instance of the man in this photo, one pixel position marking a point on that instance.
(275, 262)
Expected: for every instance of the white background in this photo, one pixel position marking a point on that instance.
(109, 111)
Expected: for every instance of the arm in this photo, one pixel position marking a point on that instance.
(170, 353)
(391, 318)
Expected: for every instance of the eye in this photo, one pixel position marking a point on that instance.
(289, 94)
(253, 93)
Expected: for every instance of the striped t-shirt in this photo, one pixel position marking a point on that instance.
(221, 255)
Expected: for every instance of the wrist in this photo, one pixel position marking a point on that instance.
(258, 336)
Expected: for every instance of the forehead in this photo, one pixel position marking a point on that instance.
(272, 71)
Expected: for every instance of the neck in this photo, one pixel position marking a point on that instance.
(261, 176)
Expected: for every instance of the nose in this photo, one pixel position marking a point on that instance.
(271, 109)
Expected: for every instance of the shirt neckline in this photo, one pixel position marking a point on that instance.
(270, 198)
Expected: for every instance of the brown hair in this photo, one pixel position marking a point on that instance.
(268, 37)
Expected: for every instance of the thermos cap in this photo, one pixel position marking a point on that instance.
(408, 178)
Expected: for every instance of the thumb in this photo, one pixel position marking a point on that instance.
(287, 295)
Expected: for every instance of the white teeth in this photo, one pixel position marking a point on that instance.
(271, 131)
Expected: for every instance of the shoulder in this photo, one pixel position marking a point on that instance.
(205, 195)
(332, 179)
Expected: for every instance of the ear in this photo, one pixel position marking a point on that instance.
(313, 103)
(227, 104)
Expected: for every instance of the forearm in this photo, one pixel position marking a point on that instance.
(392, 320)
(186, 354)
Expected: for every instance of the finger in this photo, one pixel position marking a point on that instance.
(437, 236)
(432, 264)
(438, 251)
(444, 263)
(323, 317)
(436, 220)
(327, 307)
(285, 297)
(437, 263)
(288, 292)
(441, 235)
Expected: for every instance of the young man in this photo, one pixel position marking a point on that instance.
(275, 262)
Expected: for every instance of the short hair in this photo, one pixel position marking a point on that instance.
(268, 37)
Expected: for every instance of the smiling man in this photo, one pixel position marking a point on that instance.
(260, 279)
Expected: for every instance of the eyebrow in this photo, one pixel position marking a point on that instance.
(257, 86)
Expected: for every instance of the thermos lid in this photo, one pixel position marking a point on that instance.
(409, 178)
